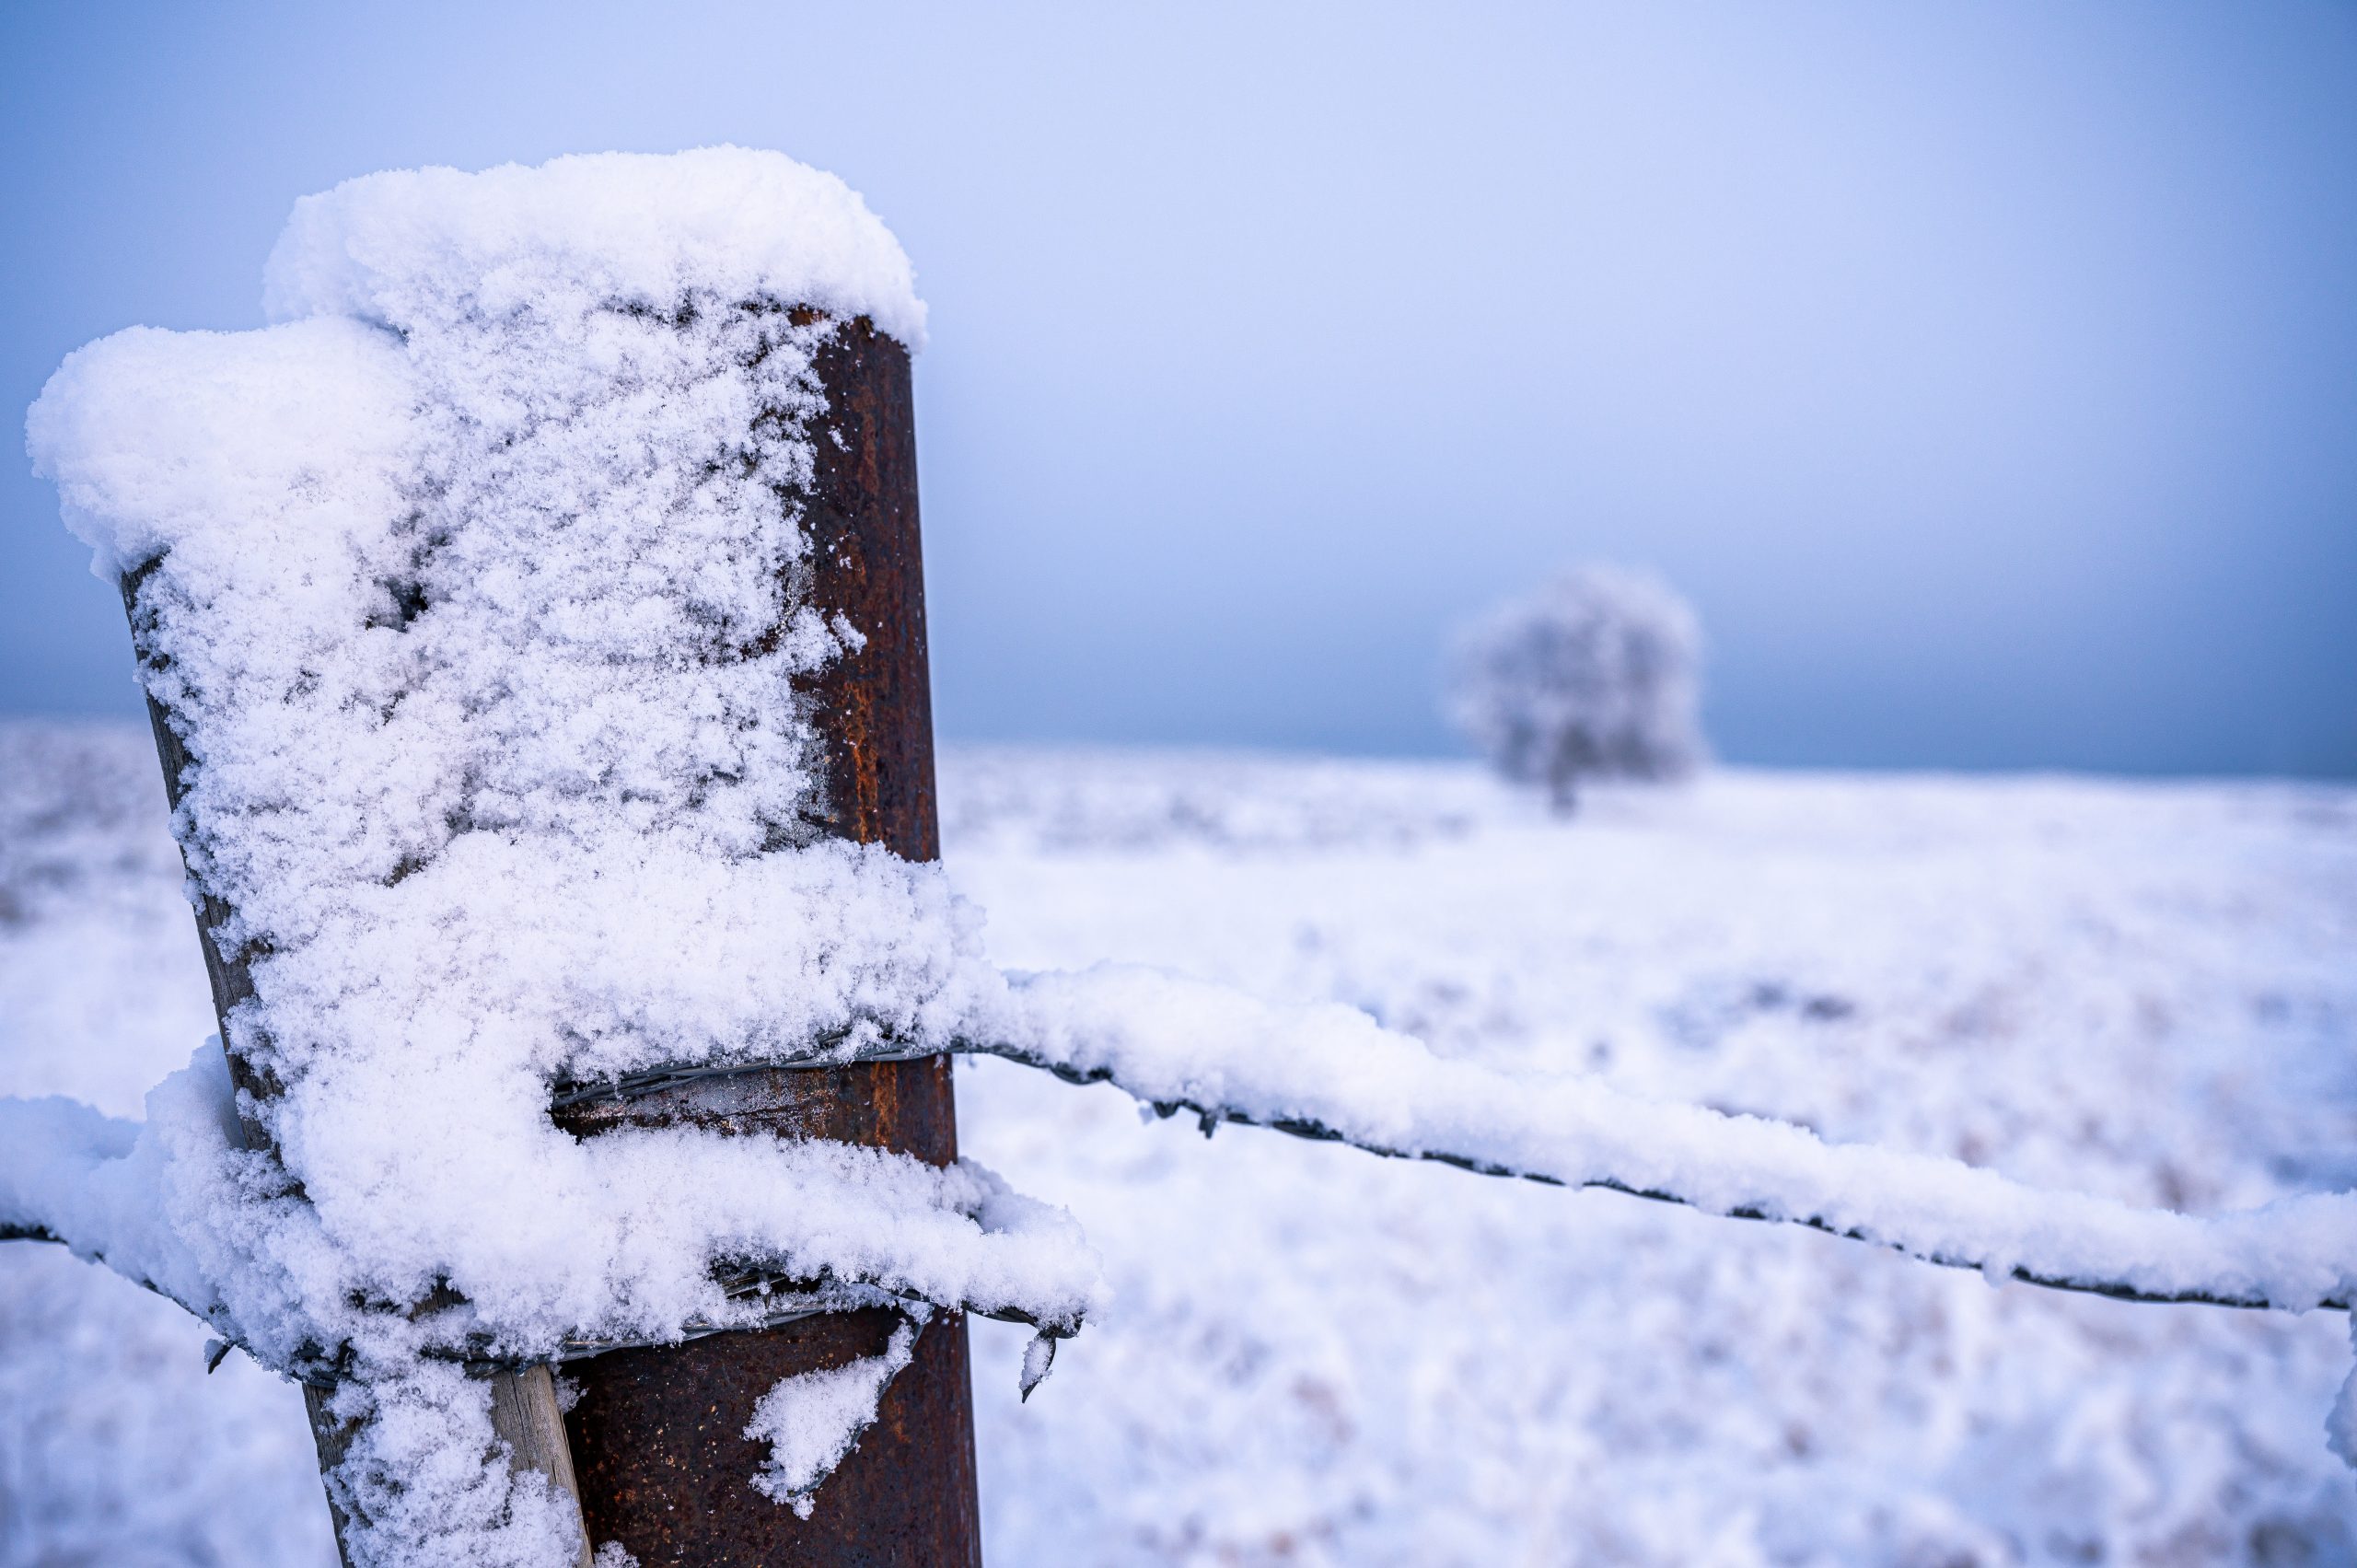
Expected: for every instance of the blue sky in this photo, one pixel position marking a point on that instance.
(1986, 374)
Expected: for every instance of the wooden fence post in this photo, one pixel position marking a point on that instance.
(524, 1406)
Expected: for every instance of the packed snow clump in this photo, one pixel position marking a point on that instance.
(475, 591)
(813, 1420)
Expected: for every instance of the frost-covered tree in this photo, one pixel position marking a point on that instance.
(1594, 676)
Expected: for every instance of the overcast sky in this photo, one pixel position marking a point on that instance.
(1987, 374)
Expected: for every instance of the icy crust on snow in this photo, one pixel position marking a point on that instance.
(477, 598)
(1331, 1070)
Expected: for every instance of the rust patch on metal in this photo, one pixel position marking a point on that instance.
(666, 1467)
(897, 1105)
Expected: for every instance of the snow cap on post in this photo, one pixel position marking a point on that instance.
(729, 221)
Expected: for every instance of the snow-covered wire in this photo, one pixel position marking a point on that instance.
(1332, 1073)
(780, 1301)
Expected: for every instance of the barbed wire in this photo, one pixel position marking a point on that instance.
(1211, 1114)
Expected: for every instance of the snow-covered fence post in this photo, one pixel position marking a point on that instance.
(524, 1402)
(660, 1432)
(662, 1460)
(534, 614)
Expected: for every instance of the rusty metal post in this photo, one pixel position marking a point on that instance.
(657, 1452)
(657, 1435)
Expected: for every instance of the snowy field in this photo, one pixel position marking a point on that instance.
(2148, 992)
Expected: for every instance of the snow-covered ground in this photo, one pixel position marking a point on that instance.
(2143, 991)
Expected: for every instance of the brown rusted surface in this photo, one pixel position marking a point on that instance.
(896, 1104)
(658, 1434)
(659, 1441)
(874, 707)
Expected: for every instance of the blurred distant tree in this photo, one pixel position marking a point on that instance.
(1597, 675)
